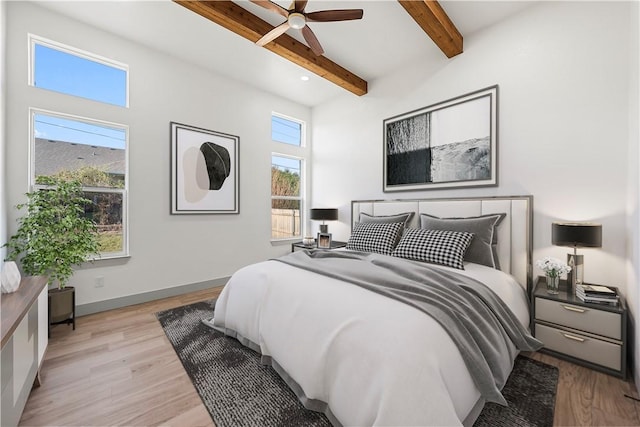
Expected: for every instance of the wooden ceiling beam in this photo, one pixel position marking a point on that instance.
(436, 23)
(237, 19)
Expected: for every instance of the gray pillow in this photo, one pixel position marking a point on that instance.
(387, 219)
(482, 249)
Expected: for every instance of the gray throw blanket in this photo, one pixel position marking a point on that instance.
(478, 321)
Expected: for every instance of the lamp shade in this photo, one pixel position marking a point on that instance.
(576, 234)
(324, 214)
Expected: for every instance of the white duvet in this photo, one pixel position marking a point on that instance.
(372, 359)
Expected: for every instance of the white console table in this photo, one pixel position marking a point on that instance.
(24, 325)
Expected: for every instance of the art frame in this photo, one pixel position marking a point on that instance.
(204, 171)
(324, 241)
(451, 144)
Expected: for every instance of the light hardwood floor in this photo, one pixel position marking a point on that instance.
(118, 368)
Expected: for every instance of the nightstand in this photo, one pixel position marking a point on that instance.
(334, 245)
(589, 334)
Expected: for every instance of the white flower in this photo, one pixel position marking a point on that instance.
(552, 267)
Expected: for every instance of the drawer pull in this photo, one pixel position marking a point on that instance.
(577, 310)
(573, 337)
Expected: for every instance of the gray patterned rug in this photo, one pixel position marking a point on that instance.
(238, 391)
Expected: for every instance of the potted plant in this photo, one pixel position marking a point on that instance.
(52, 238)
(553, 268)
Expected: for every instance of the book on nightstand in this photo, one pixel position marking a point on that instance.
(597, 293)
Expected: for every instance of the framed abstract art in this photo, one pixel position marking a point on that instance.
(204, 171)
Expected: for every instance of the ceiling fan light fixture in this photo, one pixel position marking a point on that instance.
(297, 20)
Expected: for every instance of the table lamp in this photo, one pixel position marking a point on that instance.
(324, 215)
(576, 235)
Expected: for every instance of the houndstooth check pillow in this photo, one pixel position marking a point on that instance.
(375, 237)
(435, 246)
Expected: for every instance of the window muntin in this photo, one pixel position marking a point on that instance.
(286, 130)
(286, 197)
(94, 153)
(71, 71)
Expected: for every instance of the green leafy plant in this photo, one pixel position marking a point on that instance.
(105, 210)
(54, 235)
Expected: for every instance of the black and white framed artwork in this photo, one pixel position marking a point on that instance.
(446, 145)
(204, 171)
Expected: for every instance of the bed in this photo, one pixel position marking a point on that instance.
(347, 330)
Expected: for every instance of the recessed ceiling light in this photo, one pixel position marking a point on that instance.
(304, 78)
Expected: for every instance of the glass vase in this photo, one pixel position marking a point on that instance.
(553, 283)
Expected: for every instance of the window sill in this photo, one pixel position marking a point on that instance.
(108, 257)
(282, 242)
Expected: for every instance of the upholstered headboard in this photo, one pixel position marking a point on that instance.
(515, 232)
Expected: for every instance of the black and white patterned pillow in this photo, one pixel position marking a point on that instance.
(375, 237)
(436, 246)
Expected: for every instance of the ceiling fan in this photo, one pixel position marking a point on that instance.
(297, 18)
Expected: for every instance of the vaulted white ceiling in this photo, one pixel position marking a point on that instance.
(385, 40)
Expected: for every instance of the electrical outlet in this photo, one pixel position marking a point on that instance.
(99, 282)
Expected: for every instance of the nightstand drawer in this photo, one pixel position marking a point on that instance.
(582, 347)
(586, 319)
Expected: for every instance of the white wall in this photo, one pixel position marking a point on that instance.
(166, 251)
(3, 209)
(562, 70)
(633, 220)
(3, 89)
(564, 76)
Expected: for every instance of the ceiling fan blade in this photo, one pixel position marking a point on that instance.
(273, 34)
(299, 5)
(311, 38)
(335, 15)
(272, 6)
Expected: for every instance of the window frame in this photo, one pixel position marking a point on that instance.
(124, 191)
(34, 39)
(295, 152)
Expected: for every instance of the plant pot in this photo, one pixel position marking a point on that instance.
(62, 305)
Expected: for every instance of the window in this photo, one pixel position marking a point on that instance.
(286, 200)
(94, 153)
(286, 130)
(90, 150)
(71, 71)
(287, 178)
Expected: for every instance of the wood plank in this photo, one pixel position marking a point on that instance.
(130, 375)
(589, 398)
(234, 18)
(612, 406)
(197, 415)
(436, 23)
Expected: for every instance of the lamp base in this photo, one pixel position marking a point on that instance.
(576, 275)
(324, 228)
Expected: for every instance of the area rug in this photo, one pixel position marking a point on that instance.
(239, 391)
